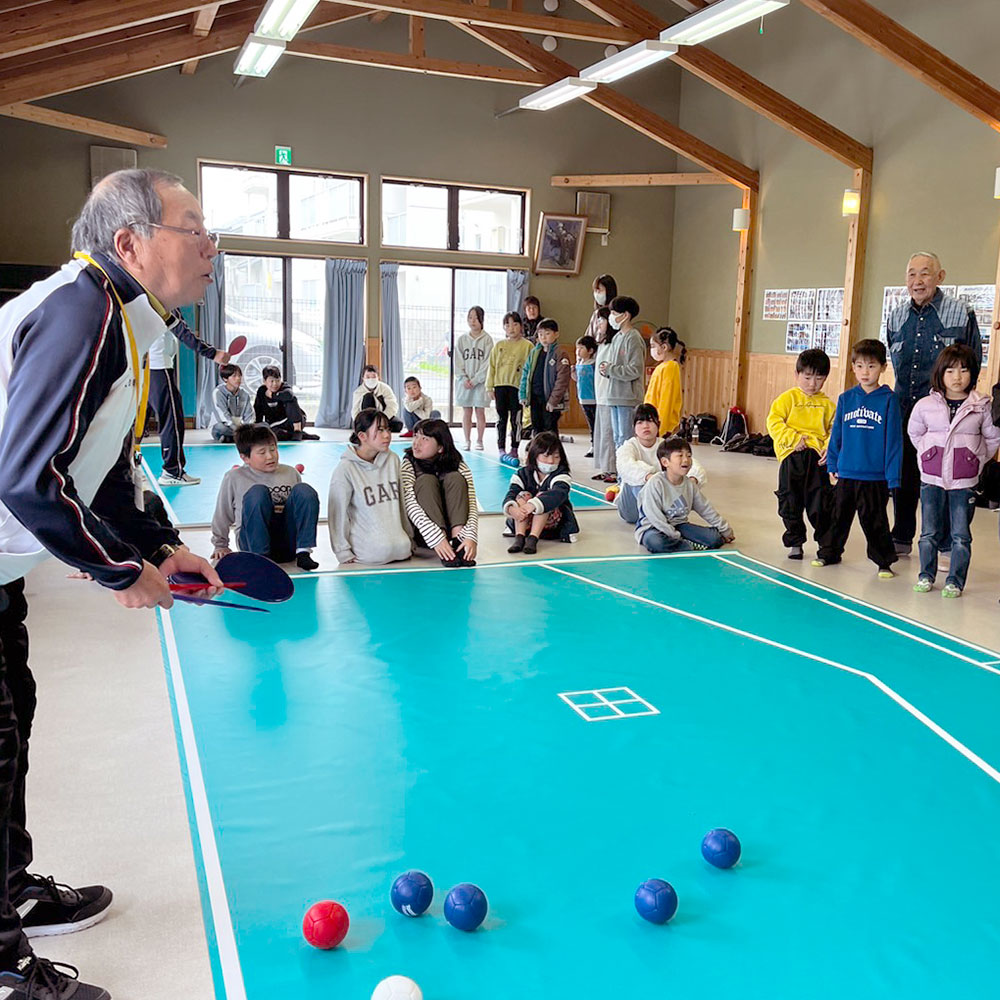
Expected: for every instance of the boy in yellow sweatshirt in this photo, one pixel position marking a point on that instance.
(503, 379)
(799, 423)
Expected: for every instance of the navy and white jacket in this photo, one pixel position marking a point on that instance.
(916, 335)
(67, 411)
(866, 440)
(549, 492)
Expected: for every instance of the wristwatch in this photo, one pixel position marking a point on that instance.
(163, 553)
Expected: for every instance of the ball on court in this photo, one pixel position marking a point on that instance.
(300, 468)
(721, 848)
(656, 901)
(325, 924)
(397, 988)
(411, 893)
(465, 906)
(611, 492)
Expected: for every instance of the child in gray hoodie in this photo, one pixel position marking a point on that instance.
(367, 521)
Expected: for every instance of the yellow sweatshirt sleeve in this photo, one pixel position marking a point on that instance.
(794, 415)
(785, 438)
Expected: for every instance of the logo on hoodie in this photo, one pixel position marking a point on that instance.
(381, 493)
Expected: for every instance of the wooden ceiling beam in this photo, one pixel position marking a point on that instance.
(417, 45)
(636, 180)
(908, 51)
(504, 20)
(201, 25)
(89, 126)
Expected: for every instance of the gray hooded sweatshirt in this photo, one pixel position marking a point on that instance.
(365, 512)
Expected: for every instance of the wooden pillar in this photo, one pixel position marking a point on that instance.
(744, 293)
(854, 280)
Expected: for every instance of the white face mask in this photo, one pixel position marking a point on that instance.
(615, 320)
(370, 383)
(600, 298)
(547, 467)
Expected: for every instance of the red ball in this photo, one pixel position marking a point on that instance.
(325, 924)
(300, 468)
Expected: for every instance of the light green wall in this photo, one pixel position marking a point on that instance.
(933, 173)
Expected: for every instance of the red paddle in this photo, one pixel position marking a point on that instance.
(191, 599)
(237, 346)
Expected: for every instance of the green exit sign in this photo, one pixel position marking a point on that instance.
(283, 156)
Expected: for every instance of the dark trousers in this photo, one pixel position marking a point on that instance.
(165, 399)
(870, 500)
(508, 409)
(279, 534)
(543, 419)
(411, 419)
(445, 501)
(590, 412)
(803, 486)
(369, 402)
(17, 709)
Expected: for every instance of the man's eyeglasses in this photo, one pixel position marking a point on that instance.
(198, 234)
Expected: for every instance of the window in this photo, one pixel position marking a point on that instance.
(450, 217)
(283, 204)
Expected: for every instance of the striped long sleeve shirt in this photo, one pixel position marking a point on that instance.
(432, 533)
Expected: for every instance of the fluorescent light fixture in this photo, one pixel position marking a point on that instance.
(556, 94)
(996, 184)
(741, 220)
(258, 56)
(281, 19)
(630, 60)
(720, 17)
(851, 204)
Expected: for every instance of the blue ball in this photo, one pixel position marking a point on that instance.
(411, 893)
(656, 900)
(465, 906)
(721, 848)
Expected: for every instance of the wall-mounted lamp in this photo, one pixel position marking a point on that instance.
(852, 202)
(741, 220)
(996, 185)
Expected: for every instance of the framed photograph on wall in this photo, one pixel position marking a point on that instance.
(559, 245)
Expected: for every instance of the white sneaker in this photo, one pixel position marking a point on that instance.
(182, 480)
(466, 445)
(479, 446)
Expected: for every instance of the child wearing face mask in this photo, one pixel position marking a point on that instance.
(604, 438)
(605, 288)
(537, 504)
(624, 367)
(374, 394)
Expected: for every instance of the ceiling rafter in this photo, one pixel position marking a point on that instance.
(201, 25)
(89, 126)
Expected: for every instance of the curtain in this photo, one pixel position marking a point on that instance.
(343, 340)
(517, 290)
(213, 331)
(392, 332)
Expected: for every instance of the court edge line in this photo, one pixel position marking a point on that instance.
(155, 487)
(858, 614)
(225, 936)
(868, 604)
(912, 709)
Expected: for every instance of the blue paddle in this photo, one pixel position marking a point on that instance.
(255, 576)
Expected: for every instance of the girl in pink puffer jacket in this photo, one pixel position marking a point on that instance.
(954, 435)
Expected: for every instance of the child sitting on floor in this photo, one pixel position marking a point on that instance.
(277, 406)
(375, 394)
(417, 405)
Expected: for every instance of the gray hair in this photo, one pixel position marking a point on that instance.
(925, 253)
(125, 199)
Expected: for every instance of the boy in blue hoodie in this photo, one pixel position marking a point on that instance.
(864, 460)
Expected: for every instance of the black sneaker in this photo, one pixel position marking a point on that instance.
(47, 907)
(39, 979)
(305, 561)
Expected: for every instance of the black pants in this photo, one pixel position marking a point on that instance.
(590, 412)
(17, 709)
(870, 500)
(369, 402)
(803, 486)
(508, 407)
(165, 399)
(906, 499)
(543, 419)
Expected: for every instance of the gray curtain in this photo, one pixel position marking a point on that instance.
(343, 340)
(213, 331)
(392, 331)
(517, 290)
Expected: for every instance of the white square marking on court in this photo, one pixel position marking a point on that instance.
(599, 704)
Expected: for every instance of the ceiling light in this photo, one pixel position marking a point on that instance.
(630, 60)
(556, 94)
(281, 19)
(258, 56)
(720, 17)
(549, 43)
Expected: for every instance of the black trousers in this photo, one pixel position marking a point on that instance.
(369, 402)
(542, 419)
(508, 408)
(17, 709)
(590, 412)
(803, 487)
(165, 399)
(906, 499)
(870, 501)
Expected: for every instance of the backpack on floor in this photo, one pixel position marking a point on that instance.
(735, 424)
(706, 427)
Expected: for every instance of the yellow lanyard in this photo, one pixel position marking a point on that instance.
(141, 380)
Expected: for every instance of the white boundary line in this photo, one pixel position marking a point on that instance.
(857, 614)
(155, 487)
(974, 758)
(229, 959)
(868, 604)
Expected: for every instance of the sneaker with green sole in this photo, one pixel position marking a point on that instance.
(923, 585)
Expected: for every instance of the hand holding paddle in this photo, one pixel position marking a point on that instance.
(253, 575)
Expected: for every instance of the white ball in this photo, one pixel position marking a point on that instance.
(550, 5)
(397, 988)
(611, 50)
(549, 43)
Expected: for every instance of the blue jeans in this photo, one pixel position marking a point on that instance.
(628, 503)
(279, 534)
(411, 419)
(693, 537)
(937, 507)
(621, 423)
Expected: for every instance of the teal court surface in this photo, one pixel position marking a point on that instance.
(193, 506)
(566, 730)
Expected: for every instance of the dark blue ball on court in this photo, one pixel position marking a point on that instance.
(656, 901)
(721, 848)
(411, 893)
(465, 906)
